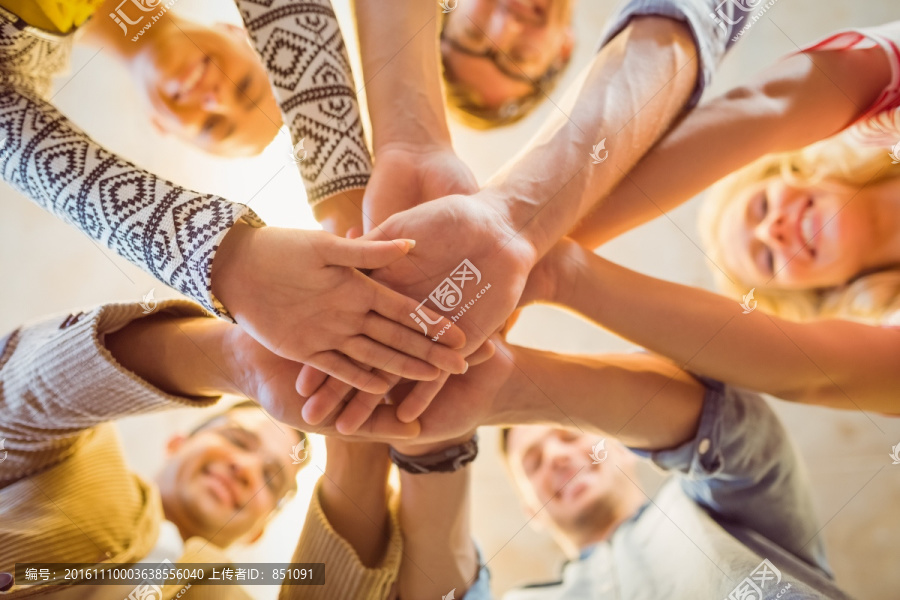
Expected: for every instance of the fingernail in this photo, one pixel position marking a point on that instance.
(466, 368)
(411, 243)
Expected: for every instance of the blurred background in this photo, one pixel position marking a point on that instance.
(48, 267)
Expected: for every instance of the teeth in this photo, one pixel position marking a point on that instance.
(193, 79)
(807, 227)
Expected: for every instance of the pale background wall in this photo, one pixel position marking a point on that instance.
(49, 267)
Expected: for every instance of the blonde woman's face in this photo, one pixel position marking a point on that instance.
(782, 236)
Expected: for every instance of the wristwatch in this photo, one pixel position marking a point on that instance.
(447, 460)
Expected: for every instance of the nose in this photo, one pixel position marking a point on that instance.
(559, 455)
(214, 101)
(247, 472)
(774, 230)
(503, 27)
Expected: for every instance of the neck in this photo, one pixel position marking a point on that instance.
(628, 505)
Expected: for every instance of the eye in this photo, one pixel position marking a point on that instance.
(769, 261)
(244, 85)
(532, 462)
(235, 437)
(210, 123)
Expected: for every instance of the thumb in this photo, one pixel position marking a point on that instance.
(362, 254)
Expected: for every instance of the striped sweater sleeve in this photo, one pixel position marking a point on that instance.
(58, 381)
(302, 49)
(345, 575)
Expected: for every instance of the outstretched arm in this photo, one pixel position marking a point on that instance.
(414, 158)
(832, 363)
(800, 100)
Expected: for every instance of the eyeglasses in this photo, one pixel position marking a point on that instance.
(500, 60)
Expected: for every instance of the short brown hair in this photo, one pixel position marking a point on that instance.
(504, 441)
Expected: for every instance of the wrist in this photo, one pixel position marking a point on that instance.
(341, 213)
(416, 450)
(227, 274)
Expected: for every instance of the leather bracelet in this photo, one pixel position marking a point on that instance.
(447, 460)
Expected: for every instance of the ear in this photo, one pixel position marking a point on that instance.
(534, 519)
(175, 442)
(565, 51)
(232, 30)
(252, 538)
(158, 124)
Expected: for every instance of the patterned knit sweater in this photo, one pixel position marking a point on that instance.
(167, 230)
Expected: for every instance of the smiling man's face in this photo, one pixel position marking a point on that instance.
(500, 50)
(556, 475)
(207, 86)
(223, 481)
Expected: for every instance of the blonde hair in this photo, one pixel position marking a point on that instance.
(869, 298)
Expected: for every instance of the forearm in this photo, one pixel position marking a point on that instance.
(801, 100)
(354, 497)
(644, 400)
(180, 356)
(825, 362)
(159, 217)
(58, 380)
(322, 110)
(439, 554)
(401, 67)
(635, 87)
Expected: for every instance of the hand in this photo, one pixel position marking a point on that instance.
(406, 175)
(270, 380)
(463, 404)
(455, 229)
(326, 395)
(299, 294)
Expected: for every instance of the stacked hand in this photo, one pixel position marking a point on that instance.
(300, 294)
(456, 228)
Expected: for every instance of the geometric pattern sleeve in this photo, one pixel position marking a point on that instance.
(167, 230)
(301, 47)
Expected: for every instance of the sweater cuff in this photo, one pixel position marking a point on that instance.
(346, 576)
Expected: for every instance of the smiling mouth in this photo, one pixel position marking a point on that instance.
(220, 488)
(192, 80)
(807, 227)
